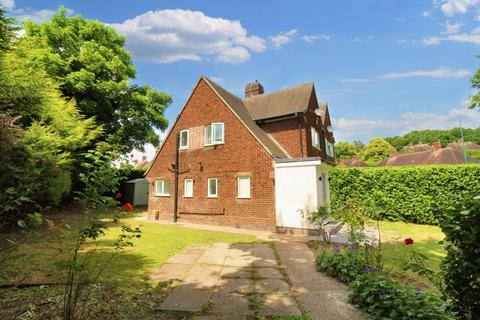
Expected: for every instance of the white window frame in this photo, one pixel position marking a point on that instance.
(249, 187)
(315, 138)
(211, 195)
(329, 149)
(185, 193)
(188, 140)
(211, 128)
(162, 193)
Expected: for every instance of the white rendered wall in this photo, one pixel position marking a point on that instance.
(297, 186)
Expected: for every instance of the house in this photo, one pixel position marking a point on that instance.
(435, 155)
(251, 162)
(354, 162)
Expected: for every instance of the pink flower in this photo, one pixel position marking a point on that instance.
(118, 195)
(408, 241)
(128, 206)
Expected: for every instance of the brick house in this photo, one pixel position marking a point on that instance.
(247, 163)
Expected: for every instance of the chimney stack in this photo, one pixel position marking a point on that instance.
(436, 146)
(394, 153)
(253, 89)
(144, 157)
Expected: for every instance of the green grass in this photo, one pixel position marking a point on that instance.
(395, 252)
(38, 259)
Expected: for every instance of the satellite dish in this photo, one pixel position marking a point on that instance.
(330, 129)
(319, 112)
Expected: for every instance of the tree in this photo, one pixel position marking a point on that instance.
(377, 150)
(359, 145)
(6, 30)
(344, 150)
(431, 136)
(90, 62)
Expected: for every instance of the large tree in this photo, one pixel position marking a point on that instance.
(344, 151)
(377, 150)
(89, 60)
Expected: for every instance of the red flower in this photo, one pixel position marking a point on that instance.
(118, 195)
(408, 241)
(128, 206)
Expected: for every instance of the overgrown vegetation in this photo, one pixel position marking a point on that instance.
(419, 194)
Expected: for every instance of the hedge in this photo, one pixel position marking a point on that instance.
(417, 194)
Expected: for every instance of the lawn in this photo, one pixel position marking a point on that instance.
(123, 291)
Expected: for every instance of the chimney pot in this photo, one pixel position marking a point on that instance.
(144, 157)
(253, 89)
(437, 145)
(393, 154)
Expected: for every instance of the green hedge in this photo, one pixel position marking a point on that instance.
(418, 194)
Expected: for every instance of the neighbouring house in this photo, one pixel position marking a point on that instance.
(251, 162)
(435, 155)
(142, 164)
(354, 162)
(416, 148)
(467, 145)
(135, 191)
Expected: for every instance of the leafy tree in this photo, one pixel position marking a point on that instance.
(359, 145)
(6, 30)
(344, 150)
(377, 150)
(90, 62)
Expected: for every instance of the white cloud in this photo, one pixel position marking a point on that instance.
(356, 80)
(350, 129)
(216, 79)
(452, 27)
(166, 36)
(313, 38)
(441, 72)
(8, 4)
(472, 37)
(425, 14)
(283, 38)
(453, 7)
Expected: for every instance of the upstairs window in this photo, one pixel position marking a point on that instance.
(184, 136)
(162, 188)
(315, 138)
(329, 149)
(214, 133)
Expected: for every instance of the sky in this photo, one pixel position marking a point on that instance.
(385, 67)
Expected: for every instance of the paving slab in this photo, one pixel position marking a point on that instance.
(269, 273)
(277, 304)
(228, 285)
(229, 299)
(187, 298)
(271, 285)
(236, 272)
(203, 276)
(171, 271)
(185, 258)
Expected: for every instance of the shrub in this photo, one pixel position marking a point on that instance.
(461, 265)
(345, 264)
(417, 194)
(384, 298)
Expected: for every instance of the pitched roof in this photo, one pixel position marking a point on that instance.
(279, 103)
(416, 148)
(468, 145)
(352, 163)
(239, 109)
(442, 156)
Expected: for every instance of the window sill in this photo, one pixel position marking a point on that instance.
(162, 195)
(244, 198)
(183, 148)
(188, 197)
(212, 197)
(213, 144)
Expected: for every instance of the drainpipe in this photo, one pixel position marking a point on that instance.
(300, 140)
(176, 170)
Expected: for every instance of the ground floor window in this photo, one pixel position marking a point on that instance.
(243, 186)
(212, 186)
(162, 187)
(188, 188)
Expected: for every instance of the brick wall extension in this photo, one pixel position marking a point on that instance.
(240, 155)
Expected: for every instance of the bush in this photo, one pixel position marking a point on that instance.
(345, 264)
(417, 194)
(384, 298)
(461, 265)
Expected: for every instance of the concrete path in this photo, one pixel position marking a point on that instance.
(228, 282)
(322, 297)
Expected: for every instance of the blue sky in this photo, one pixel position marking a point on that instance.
(385, 67)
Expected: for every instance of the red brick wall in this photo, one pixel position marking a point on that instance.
(241, 154)
(285, 132)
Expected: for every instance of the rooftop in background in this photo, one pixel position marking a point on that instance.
(352, 163)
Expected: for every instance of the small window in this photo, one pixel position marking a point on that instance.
(212, 188)
(162, 188)
(214, 134)
(188, 188)
(244, 187)
(315, 138)
(184, 135)
(329, 148)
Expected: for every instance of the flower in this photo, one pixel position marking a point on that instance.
(336, 248)
(370, 269)
(408, 241)
(128, 206)
(324, 244)
(118, 195)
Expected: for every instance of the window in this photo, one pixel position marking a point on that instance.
(214, 133)
(212, 186)
(315, 138)
(188, 188)
(243, 187)
(162, 188)
(329, 148)
(184, 135)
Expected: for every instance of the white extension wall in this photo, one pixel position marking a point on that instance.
(299, 185)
